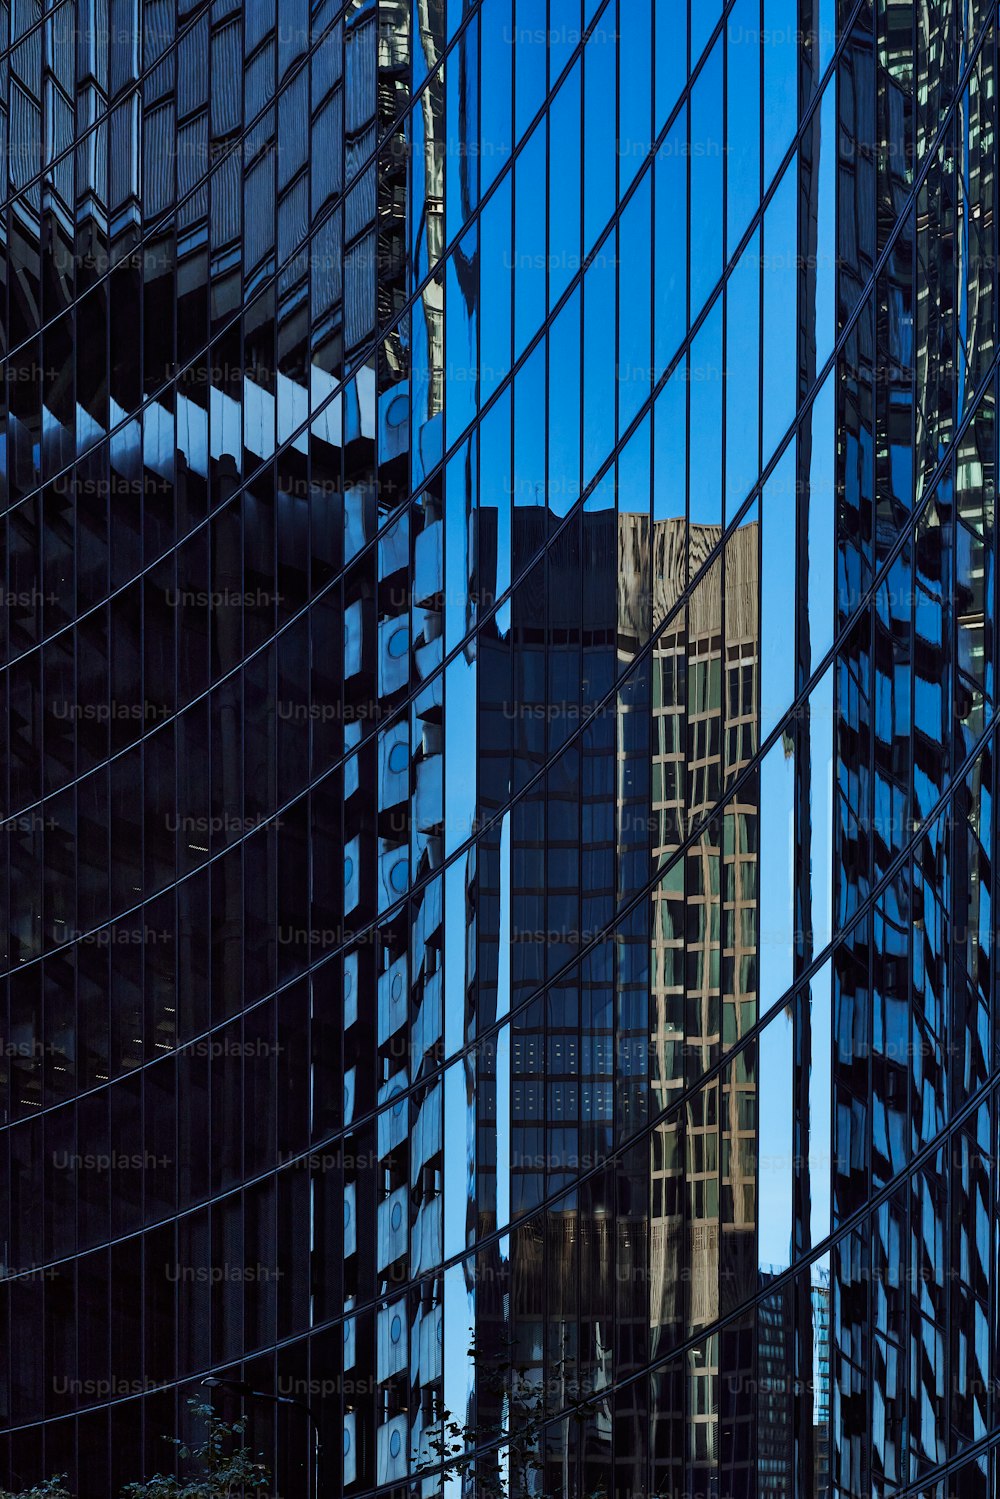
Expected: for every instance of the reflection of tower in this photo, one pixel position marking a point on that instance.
(703, 986)
(428, 230)
(820, 1299)
(774, 1386)
(551, 649)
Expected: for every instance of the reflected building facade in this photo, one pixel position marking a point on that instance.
(498, 683)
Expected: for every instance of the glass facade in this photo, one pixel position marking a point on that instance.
(499, 707)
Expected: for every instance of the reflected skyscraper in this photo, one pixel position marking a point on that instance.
(498, 685)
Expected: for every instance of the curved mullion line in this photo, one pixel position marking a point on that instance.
(749, 773)
(842, 1229)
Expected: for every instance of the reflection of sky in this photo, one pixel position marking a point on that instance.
(635, 243)
(743, 378)
(670, 447)
(777, 867)
(495, 282)
(820, 1102)
(781, 33)
(780, 317)
(778, 858)
(460, 751)
(455, 943)
(775, 950)
(564, 408)
(599, 354)
(703, 17)
(821, 528)
(774, 1101)
(743, 106)
(705, 499)
(820, 1300)
(670, 320)
(459, 1324)
(777, 594)
(821, 809)
(706, 174)
(775, 1060)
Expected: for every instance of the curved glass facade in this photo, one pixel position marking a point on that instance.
(499, 704)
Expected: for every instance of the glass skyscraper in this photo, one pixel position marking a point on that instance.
(497, 685)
